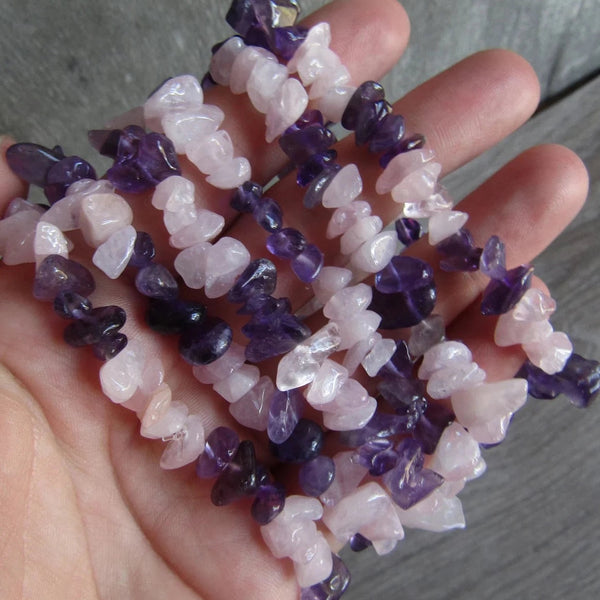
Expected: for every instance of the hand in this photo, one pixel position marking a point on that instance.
(85, 510)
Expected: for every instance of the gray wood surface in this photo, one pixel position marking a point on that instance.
(533, 519)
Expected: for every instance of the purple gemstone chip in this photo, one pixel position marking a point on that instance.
(174, 316)
(304, 443)
(238, 479)
(268, 503)
(366, 94)
(94, 325)
(143, 251)
(459, 252)
(57, 274)
(109, 346)
(501, 295)
(220, 448)
(204, 343)
(31, 162)
(408, 230)
(155, 281)
(63, 173)
(258, 279)
(246, 197)
(333, 587)
(316, 475)
(308, 264)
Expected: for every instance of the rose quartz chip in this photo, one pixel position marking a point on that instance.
(191, 264)
(362, 231)
(48, 240)
(162, 417)
(486, 409)
(348, 301)
(240, 382)
(327, 383)
(65, 213)
(457, 455)
(205, 228)
(315, 564)
(176, 220)
(265, 81)
(329, 281)
(186, 446)
(224, 262)
(343, 188)
(426, 334)
(332, 77)
(348, 419)
(19, 205)
(221, 368)
(379, 355)
(192, 125)
(112, 256)
(437, 202)
(101, 215)
(444, 354)
(175, 95)
(252, 409)
(346, 216)
(510, 331)
(223, 59)
(334, 102)
(211, 151)
(231, 174)
(285, 108)
(356, 354)
(153, 376)
(400, 167)
(121, 376)
(348, 475)
(436, 512)
(316, 60)
(243, 65)
(366, 508)
(444, 224)
(444, 382)
(359, 327)
(173, 193)
(318, 35)
(551, 354)
(17, 234)
(418, 185)
(534, 306)
(375, 253)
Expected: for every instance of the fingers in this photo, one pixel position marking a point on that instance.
(10, 185)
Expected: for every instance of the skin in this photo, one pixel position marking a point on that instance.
(85, 511)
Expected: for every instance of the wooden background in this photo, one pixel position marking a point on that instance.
(533, 519)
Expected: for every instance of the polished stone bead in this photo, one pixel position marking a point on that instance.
(204, 343)
(238, 479)
(493, 260)
(409, 482)
(284, 413)
(155, 281)
(31, 162)
(174, 315)
(331, 588)
(459, 252)
(301, 143)
(314, 166)
(268, 503)
(64, 173)
(388, 132)
(307, 265)
(57, 274)
(359, 542)
(501, 295)
(304, 443)
(259, 278)
(220, 448)
(94, 325)
(369, 118)
(268, 214)
(71, 305)
(404, 309)
(316, 475)
(366, 94)
(246, 197)
(408, 230)
(400, 364)
(109, 346)
(286, 243)
(143, 251)
(403, 274)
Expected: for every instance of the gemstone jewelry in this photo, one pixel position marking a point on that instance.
(410, 455)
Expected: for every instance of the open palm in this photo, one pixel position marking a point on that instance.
(85, 510)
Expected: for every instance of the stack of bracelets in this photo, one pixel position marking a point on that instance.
(412, 413)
